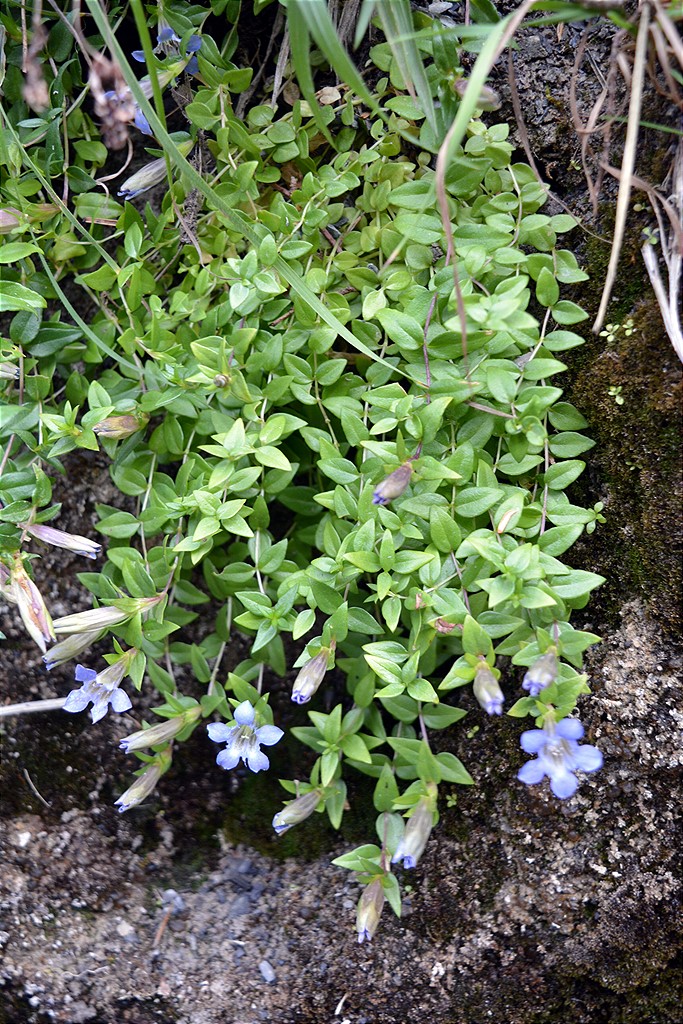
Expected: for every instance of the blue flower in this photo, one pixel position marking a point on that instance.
(559, 756)
(393, 485)
(142, 123)
(243, 740)
(542, 673)
(99, 689)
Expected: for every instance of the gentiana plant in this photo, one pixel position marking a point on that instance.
(329, 434)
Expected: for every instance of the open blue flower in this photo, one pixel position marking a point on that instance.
(99, 689)
(244, 740)
(559, 756)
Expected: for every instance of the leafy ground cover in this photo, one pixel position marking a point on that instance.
(322, 365)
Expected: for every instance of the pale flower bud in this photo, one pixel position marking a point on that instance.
(8, 371)
(32, 607)
(150, 175)
(118, 427)
(70, 647)
(144, 784)
(9, 220)
(542, 673)
(487, 691)
(296, 811)
(393, 485)
(60, 539)
(310, 677)
(488, 98)
(418, 829)
(88, 621)
(162, 732)
(370, 908)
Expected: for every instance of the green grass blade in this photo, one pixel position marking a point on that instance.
(300, 43)
(397, 24)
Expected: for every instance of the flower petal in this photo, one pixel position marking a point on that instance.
(77, 700)
(227, 759)
(120, 701)
(219, 732)
(588, 758)
(531, 772)
(244, 714)
(269, 734)
(532, 740)
(99, 709)
(257, 760)
(563, 783)
(142, 123)
(569, 729)
(138, 55)
(84, 675)
(194, 43)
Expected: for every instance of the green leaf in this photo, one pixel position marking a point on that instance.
(18, 296)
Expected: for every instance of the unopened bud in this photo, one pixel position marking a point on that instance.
(144, 784)
(370, 908)
(296, 811)
(60, 539)
(94, 619)
(310, 677)
(488, 98)
(70, 647)
(9, 220)
(487, 691)
(151, 174)
(162, 732)
(542, 673)
(8, 371)
(418, 829)
(118, 427)
(393, 485)
(32, 607)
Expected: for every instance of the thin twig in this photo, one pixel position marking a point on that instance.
(627, 164)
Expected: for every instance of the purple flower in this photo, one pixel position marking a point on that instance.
(417, 831)
(142, 123)
(559, 756)
(393, 485)
(487, 691)
(542, 673)
(99, 689)
(243, 740)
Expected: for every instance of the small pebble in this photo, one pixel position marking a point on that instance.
(267, 972)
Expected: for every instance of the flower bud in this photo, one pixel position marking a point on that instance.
(487, 691)
(310, 677)
(370, 908)
(9, 220)
(60, 539)
(118, 427)
(542, 673)
(296, 811)
(488, 98)
(32, 607)
(144, 784)
(8, 371)
(393, 485)
(162, 732)
(418, 829)
(88, 621)
(70, 647)
(151, 174)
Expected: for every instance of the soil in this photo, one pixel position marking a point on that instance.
(523, 910)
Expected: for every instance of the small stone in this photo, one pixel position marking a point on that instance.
(267, 972)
